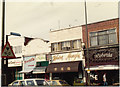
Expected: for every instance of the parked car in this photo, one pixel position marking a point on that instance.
(30, 82)
(79, 82)
(57, 83)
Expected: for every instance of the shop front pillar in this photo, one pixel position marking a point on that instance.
(50, 76)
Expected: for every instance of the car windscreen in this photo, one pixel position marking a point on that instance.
(40, 82)
(63, 82)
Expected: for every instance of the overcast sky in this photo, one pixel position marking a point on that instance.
(35, 19)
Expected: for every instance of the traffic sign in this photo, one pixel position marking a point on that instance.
(7, 51)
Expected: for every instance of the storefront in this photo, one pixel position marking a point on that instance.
(67, 66)
(41, 64)
(15, 65)
(104, 60)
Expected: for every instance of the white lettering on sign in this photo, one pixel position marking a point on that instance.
(67, 57)
(103, 55)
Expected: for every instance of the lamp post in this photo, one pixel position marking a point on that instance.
(88, 75)
(5, 70)
(3, 34)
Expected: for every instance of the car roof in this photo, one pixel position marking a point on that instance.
(56, 80)
(34, 79)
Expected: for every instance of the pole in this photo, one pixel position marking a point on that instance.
(88, 77)
(3, 32)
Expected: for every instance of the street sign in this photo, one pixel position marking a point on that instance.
(7, 51)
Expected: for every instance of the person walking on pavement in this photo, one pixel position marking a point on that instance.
(105, 80)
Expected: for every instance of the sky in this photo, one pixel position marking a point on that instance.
(36, 18)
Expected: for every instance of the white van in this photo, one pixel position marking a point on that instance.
(30, 82)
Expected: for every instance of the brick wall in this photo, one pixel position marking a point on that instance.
(103, 25)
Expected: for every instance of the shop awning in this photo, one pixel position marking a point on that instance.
(64, 67)
(104, 67)
(25, 71)
(38, 70)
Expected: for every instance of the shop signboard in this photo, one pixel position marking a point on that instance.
(14, 62)
(40, 57)
(67, 57)
(29, 63)
(105, 56)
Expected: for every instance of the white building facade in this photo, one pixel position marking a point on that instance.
(35, 58)
(67, 53)
(15, 64)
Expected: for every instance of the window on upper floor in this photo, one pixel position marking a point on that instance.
(76, 44)
(17, 49)
(66, 45)
(103, 37)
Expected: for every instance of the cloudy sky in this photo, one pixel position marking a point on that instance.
(36, 18)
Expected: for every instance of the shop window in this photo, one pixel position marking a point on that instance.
(18, 76)
(103, 37)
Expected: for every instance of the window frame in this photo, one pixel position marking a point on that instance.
(69, 48)
(107, 34)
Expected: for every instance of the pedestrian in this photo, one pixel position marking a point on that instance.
(105, 80)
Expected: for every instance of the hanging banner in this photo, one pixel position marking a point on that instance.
(29, 63)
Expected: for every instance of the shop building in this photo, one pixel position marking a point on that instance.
(35, 56)
(15, 64)
(67, 56)
(103, 42)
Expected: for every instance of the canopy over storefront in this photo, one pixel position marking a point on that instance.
(38, 70)
(104, 67)
(64, 67)
(26, 71)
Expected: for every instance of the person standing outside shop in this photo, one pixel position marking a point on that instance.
(105, 80)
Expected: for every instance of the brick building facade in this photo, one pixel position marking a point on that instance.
(103, 46)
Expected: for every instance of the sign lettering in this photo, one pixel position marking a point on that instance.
(67, 57)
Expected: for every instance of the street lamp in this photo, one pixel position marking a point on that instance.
(88, 76)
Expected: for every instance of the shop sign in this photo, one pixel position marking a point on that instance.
(40, 57)
(29, 63)
(103, 56)
(14, 62)
(67, 57)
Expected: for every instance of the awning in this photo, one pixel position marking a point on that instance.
(25, 71)
(37, 70)
(104, 67)
(64, 67)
